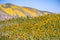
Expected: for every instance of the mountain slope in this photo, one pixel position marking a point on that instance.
(18, 11)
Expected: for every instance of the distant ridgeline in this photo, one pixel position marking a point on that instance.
(8, 11)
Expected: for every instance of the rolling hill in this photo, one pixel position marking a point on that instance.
(8, 11)
(28, 23)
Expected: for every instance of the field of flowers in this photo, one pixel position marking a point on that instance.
(38, 28)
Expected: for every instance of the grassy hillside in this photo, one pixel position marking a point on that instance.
(38, 28)
(19, 11)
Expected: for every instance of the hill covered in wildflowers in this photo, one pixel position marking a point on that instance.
(38, 28)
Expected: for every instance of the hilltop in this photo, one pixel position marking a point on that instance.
(8, 11)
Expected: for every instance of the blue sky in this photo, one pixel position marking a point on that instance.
(44, 5)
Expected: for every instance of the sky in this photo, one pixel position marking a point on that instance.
(43, 5)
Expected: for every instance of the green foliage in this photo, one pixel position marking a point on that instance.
(38, 28)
